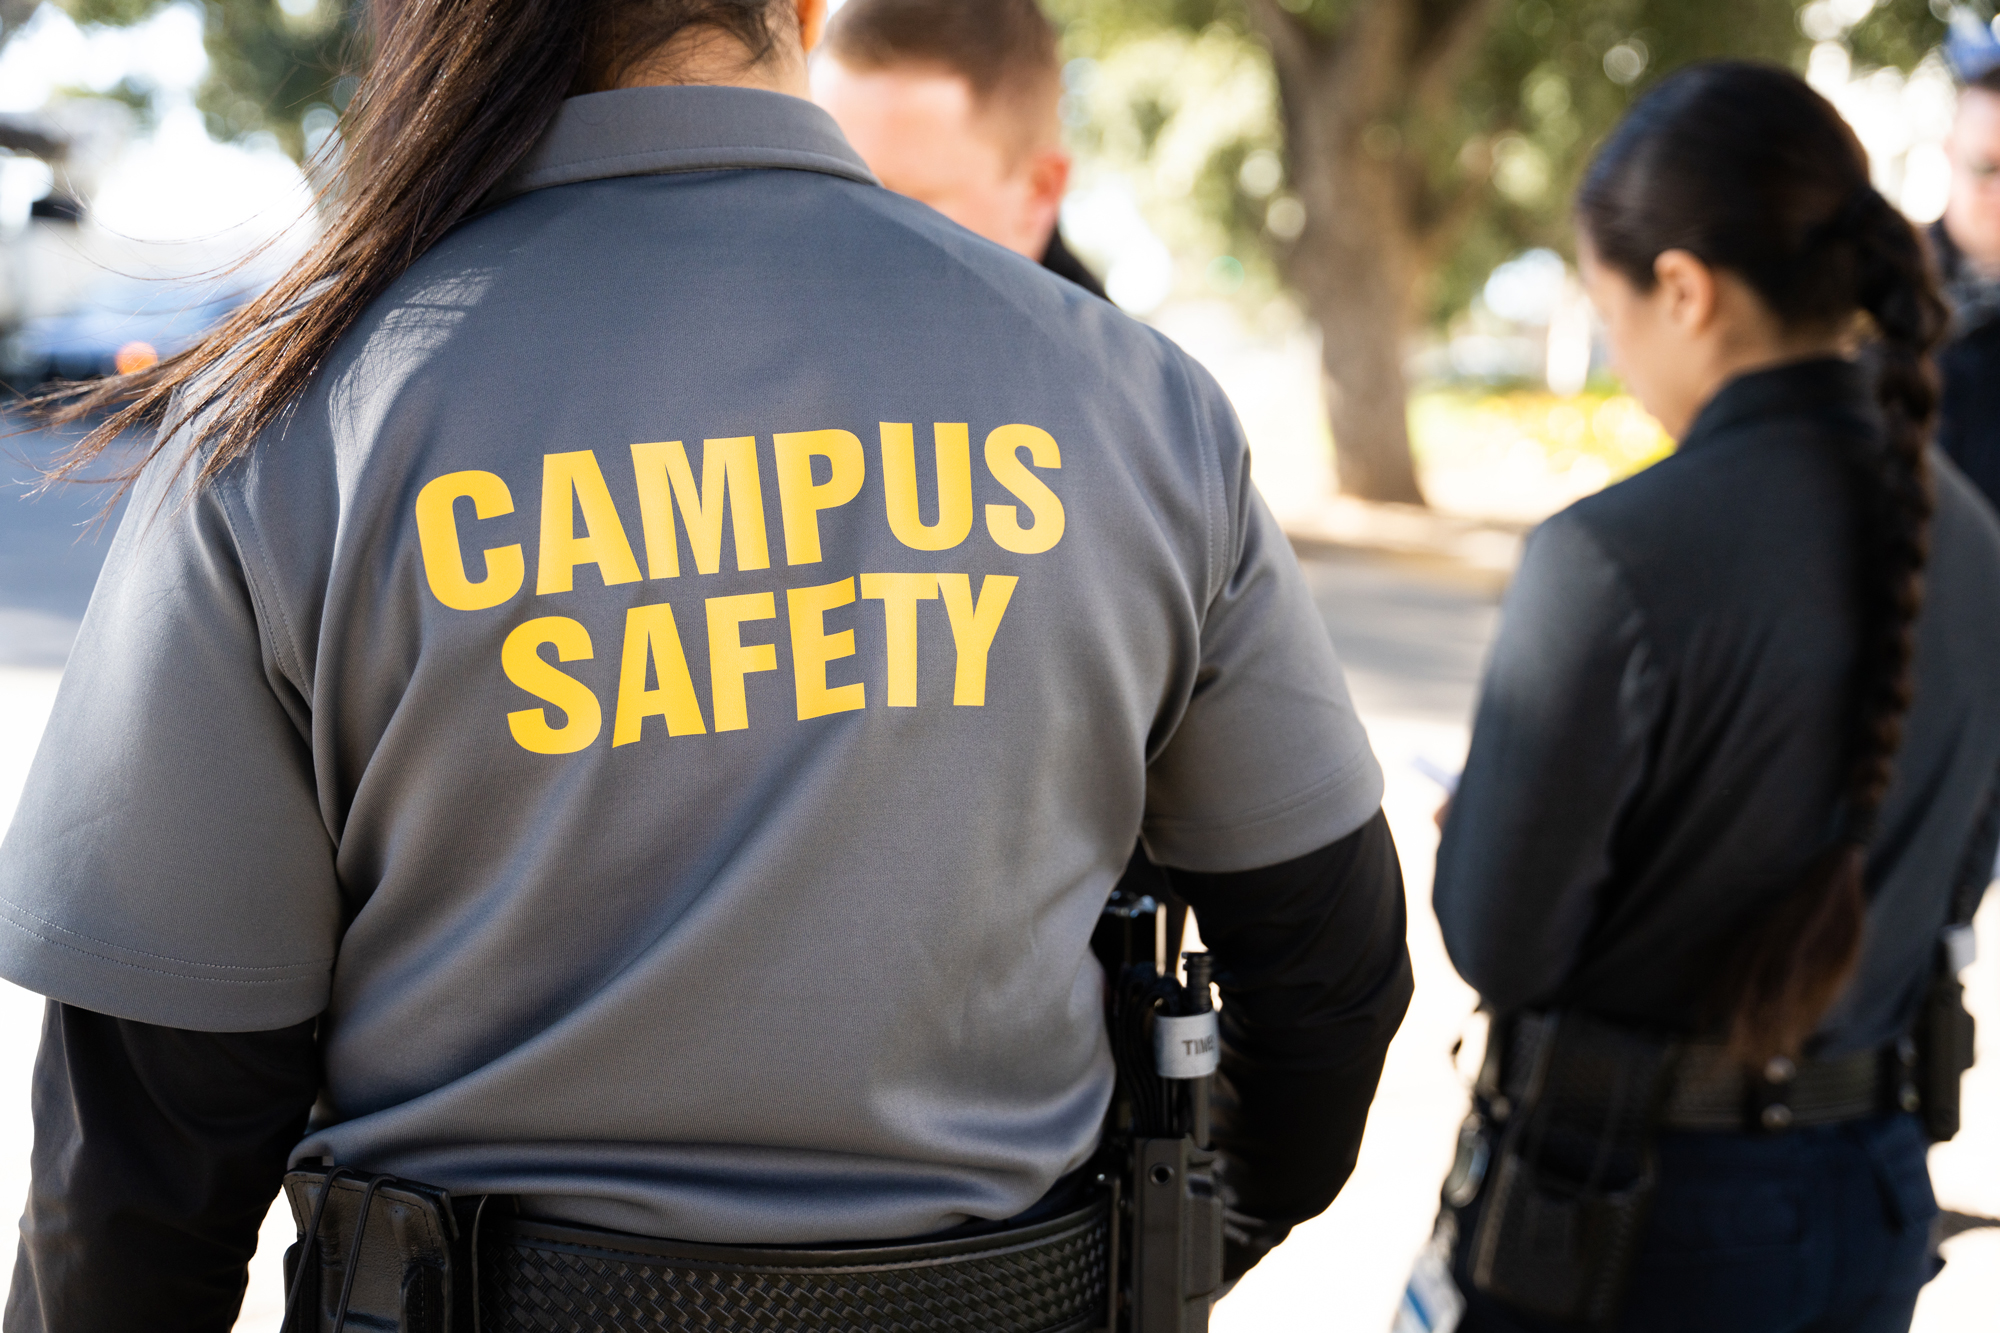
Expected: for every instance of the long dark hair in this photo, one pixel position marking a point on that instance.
(456, 94)
(1751, 171)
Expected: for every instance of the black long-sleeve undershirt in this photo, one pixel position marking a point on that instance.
(1315, 978)
(158, 1151)
(157, 1154)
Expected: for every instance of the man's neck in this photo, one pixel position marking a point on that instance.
(1984, 264)
(709, 58)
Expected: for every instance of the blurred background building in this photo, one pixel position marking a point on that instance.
(129, 197)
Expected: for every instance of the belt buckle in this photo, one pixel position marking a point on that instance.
(1901, 1074)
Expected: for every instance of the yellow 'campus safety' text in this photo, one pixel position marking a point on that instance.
(579, 525)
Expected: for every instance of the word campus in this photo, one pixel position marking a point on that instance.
(580, 525)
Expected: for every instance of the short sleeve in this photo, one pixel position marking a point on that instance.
(168, 862)
(1269, 760)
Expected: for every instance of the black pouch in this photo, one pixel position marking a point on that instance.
(1944, 1052)
(1569, 1189)
(374, 1253)
(1944, 1029)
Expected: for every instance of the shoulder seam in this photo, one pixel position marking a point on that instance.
(1583, 527)
(1215, 490)
(1648, 641)
(269, 607)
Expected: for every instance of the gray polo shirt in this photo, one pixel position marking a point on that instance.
(676, 693)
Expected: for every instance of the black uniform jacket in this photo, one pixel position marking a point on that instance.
(1660, 739)
(1969, 422)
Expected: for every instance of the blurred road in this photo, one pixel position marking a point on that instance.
(1411, 636)
(50, 551)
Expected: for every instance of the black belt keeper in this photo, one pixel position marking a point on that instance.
(410, 1266)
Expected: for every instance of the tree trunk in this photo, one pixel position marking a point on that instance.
(1359, 261)
(1353, 270)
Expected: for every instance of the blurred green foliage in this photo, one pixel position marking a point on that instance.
(1550, 80)
(1901, 32)
(1154, 96)
(270, 64)
(1178, 98)
(139, 97)
(1174, 113)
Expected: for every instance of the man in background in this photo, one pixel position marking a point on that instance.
(956, 103)
(1967, 239)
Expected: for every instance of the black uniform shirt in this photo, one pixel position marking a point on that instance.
(1969, 419)
(1661, 735)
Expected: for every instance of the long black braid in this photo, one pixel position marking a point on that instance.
(1750, 170)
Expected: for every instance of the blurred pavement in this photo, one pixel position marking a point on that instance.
(1411, 629)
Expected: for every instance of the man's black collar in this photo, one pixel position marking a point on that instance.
(1061, 261)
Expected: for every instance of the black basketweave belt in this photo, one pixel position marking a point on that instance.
(1711, 1091)
(1051, 1277)
(394, 1254)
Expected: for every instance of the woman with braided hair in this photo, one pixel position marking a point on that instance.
(1733, 763)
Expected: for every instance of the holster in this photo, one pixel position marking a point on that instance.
(1175, 1263)
(1167, 1237)
(1568, 1190)
(1944, 1038)
(374, 1253)
(1944, 1029)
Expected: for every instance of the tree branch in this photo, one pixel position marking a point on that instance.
(33, 136)
(1436, 226)
(1293, 45)
(1444, 45)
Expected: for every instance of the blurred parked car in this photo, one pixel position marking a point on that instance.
(121, 324)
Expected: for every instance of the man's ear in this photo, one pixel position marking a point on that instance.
(812, 22)
(1688, 287)
(1048, 176)
(1047, 173)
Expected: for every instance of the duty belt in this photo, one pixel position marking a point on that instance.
(1711, 1091)
(425, 1263)
(1047, 1278)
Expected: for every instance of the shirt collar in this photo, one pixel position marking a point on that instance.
(654, 130)
(1974, 298)
(1824, 387)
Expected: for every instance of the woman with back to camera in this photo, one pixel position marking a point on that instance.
(1732, 772)
(622, 695)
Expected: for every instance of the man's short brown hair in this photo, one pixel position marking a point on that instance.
(1004, 49)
